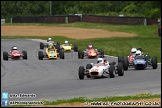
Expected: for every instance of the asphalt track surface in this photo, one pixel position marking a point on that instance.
(58, 79)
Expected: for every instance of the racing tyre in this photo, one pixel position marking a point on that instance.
(75, 48)
(154, 62)
(101, 53)
(112, 71)
(58, 48)
(125, 63)
(88, 66)
(120, 58)
(80, 54)
(24, 55)
(5, 55)
(81, 72)
(120, 69)
(40, 55)
(61, 54)
(58, 43)
(41, 45)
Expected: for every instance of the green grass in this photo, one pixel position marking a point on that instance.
(144, 95)
(147, 38)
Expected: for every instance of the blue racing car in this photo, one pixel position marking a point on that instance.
(141, 62)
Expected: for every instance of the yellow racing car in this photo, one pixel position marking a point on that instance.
(69, 47)
(50, 53)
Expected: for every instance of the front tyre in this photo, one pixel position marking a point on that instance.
(154, 62)
(111, 71)
(5, 55)
(81, 72)
(120, 69)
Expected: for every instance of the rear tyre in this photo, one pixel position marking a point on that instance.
(120, 58)
(75, 48)
(120, 69)
(80, 54)
(154, 62)
(88, 66)
(81, 73)
(101, 53)
(41, 45)
(24, 55)
(112, 71)
(61, 54)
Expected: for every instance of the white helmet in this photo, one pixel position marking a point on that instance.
(138, 53)
(100, 60)
(66, 42)
(133, 50)
(14, 48)
(49, 39)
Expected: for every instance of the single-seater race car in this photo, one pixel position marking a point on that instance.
(144, 61)
(141, 62)
(90, 52)
(50, 53)
(14, 54)
(48, 43)
(68, 47)
(101, 69)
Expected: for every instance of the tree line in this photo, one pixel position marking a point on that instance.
(149, 9)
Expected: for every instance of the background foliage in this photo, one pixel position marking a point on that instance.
(150, 9)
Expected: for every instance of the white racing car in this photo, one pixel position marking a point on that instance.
(101, 69)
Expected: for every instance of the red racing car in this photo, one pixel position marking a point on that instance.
(90, 52)
(14, 54)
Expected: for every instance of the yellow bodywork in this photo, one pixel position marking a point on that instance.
(51, 53)
(67, 47)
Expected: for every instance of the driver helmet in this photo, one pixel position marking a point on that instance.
(133, 50)
(50, 45)
(66, 42)
(90, 46)
(138, 53)
(49, 39)
(14, 48)
(100, 60)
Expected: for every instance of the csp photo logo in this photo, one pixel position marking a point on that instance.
(4, 95)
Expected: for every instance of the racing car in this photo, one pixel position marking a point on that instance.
(90, 52)
(14, 54)
(45, 45)
(101, 69)
(68, 47)
(141, 62)
(130, 61)
(50, 53)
